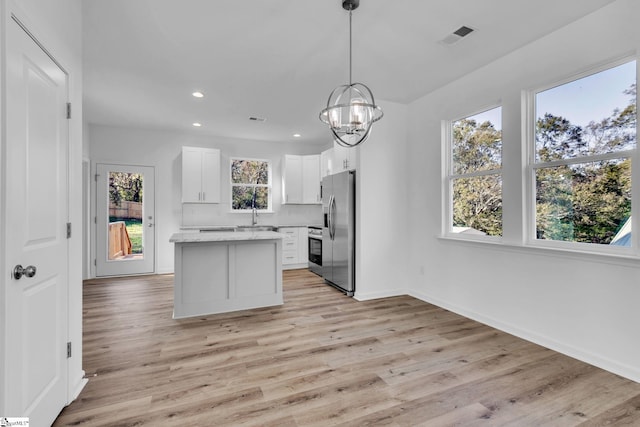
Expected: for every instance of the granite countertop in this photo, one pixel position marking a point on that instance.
(233, 227)
(224, 236)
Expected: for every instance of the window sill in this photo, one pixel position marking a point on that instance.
(624, 259)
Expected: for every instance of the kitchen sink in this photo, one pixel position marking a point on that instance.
(255, 228)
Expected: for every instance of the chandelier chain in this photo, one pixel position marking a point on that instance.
(351, 109)
(350, 49)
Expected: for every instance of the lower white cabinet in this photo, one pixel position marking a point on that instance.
(295, 248)
(226, 275)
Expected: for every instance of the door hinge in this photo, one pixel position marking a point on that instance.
(95, 262)
(95, 219)
(95, 177)
(69, 350)
(68, 110)
(68, 230)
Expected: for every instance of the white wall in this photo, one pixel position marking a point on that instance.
(162, 150)
(57, 26)
(583, 305)
(381, 207)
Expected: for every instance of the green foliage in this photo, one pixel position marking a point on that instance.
(249, 172)
(586, 202)
(477, 201)
(125, 186)
(244, 197)
(254, 174)
(476, 146)
(557, 138)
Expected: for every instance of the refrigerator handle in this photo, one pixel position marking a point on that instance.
(333, 209)
(330, 216)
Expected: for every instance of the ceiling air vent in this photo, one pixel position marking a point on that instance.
(457, 35)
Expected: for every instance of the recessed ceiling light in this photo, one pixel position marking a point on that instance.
(198, 94)
(296, 135)
(196, 124)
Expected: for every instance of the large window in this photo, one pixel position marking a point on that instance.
(475, 174)
(250, 184)
(585, 137)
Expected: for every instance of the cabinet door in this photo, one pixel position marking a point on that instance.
(325, 162)
(311, 179)
(191, 175)
(292, 179)
(289, 245)
(344, 158)
(200, 175)
(303, 245)
(211, 176)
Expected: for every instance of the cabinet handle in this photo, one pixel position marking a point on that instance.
(203, 196)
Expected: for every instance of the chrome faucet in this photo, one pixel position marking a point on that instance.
(254, 216)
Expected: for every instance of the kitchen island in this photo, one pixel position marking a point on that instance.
(222, 271)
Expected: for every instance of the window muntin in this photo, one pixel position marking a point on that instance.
(475, 177)
(250, 184)
(585, 137)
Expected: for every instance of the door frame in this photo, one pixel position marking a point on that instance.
(94, 216)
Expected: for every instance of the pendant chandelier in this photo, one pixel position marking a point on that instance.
(351, 109)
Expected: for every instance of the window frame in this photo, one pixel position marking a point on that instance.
(531, 166)
(448, 178)
(269, 186)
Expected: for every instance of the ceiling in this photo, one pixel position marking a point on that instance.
(280, 59)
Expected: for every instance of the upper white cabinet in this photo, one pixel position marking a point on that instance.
(292, 179)
(200, 175)
(301, 179)
(311, 179)
(338, 159)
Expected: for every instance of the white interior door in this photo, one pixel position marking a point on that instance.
(36, 293)
(125, 220)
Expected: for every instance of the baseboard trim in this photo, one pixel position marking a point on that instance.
(75, 391)
(366, 296)
(624, 370)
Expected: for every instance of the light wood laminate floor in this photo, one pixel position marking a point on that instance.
(324, 359)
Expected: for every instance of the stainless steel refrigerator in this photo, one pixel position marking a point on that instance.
(338, 231)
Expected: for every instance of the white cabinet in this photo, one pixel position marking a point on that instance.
(311, 179)
(200, 175)
(338, 159)
(292, 179)
(219, 276)
(301, 179)
(295, 249)
(326, 163)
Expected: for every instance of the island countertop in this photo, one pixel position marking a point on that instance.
(224, 236)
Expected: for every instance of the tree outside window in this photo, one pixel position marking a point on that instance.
(476, 175)
(582, 160)
(250, 184)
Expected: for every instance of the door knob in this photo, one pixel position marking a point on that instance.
(19, 271)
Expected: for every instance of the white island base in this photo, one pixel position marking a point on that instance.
(220, 272)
